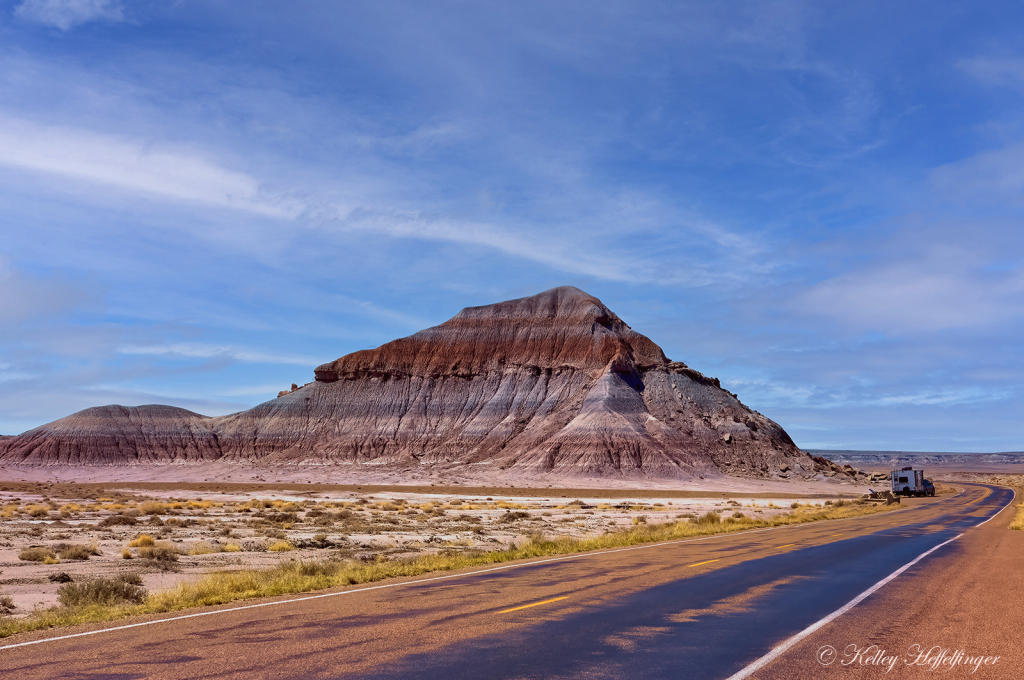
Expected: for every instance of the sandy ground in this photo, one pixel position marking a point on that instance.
(210, 526)
(454, 475)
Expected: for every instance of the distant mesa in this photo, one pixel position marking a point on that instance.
(553, 384)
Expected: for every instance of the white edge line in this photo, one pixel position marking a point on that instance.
(995, 514)
(425, 580)
(785, 646)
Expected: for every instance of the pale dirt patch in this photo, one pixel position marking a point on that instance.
(444, 475)
(322, 524)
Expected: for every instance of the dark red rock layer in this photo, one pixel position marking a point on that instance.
(555, 382)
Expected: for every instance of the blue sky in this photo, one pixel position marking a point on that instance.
(819, 203)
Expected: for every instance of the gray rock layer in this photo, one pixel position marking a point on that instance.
(553, 383)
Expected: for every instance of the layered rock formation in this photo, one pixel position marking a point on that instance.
(553, 383)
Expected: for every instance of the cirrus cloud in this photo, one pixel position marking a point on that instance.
(67, 14)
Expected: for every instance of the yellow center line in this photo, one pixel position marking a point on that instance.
(535, 604)
(700, 563)
(784, 546)
(839, 534)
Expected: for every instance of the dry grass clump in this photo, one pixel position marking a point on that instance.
(160, 551)
(38, 554)
(76, 551)
(204, 548)
(142, 541)
(6, 605)
(71, 509)
(118, 520)
(281, 546)
(38, 510)
(153, 508)
(126, 588)
(709, 518)
(1018, 520)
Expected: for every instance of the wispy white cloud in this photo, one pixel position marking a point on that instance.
(995, 71)
(918, 296)
(66, 14)
(153, 169)
(993, 175)
(969, 395)
(200, 351)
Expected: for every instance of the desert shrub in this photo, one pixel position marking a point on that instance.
(76, 551)
(161, 552)
(38, 510)
(142, 541)
(6, 604)
(795, 506)
(708, 518)
(738, 515)
(281, 546)
(640, 519)
(282, 517)
(118, 520)
(840, 503)
(103, 591)
(513, 516)
(204, 549)
(60, 577)
(153, 508)
(37, 554)
(130, 578)
(232, 547)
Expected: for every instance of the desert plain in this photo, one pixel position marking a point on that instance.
(54, 531)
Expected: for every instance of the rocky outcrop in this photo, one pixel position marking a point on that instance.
(553, 383)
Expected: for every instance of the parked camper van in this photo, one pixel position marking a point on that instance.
(911, 482)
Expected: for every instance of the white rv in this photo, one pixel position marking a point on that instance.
(911, 482)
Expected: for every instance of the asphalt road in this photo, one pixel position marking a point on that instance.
(703, 608)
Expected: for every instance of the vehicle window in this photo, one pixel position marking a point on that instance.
(903, 480)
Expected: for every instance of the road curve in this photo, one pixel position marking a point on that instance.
(704, 608)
